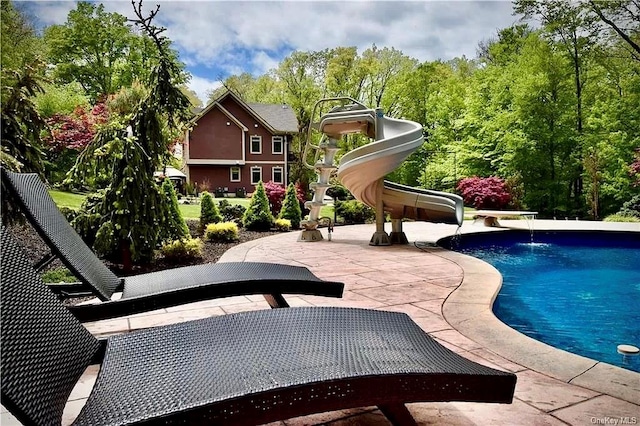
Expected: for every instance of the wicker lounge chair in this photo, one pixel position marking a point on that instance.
(156, 290)
(248, 368)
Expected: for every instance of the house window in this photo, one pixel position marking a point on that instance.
(276, 175)
(256, 144)
(256, 175)
(235, 174)
(276, 145)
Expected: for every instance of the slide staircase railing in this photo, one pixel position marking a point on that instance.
(349, 117)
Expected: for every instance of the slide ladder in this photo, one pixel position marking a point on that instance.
(350, 117)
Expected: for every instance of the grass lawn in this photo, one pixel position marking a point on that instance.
(67, 199)
(189, 211)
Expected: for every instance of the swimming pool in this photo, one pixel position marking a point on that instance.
(577, 291)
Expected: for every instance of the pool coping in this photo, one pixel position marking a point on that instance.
(469, 310)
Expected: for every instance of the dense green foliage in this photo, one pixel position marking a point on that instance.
(101, 51)
(231, 212)
(291, 207)
(208, 211)
(258, 216)
(353, 211)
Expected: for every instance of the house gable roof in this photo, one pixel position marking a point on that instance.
(276, 118)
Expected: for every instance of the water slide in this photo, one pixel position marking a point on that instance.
(361, 172)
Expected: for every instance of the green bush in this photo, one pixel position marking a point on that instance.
(69, 213)
(258, 216)
(283, 225)
(353, 211)
(291, 207)
(222, 232)
(208, 211)
(183, 249)
(621, 218)
(631, 208)
(175, 228)
(231, 212)
(58, 275)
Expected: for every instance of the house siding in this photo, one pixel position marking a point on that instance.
(213, 147)
(213, 139)
(208, 178)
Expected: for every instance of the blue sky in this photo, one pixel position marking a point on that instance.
(221, 38)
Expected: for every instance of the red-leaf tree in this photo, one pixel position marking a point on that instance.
(69, 135)
(484, 193)
(276, 192)
(76, 130)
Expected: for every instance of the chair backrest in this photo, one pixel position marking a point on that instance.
(43, 214)
(44, 348)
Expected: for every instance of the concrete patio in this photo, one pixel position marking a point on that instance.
(448, 295)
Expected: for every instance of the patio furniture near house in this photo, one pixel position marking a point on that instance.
(248, 368)
(155, 290)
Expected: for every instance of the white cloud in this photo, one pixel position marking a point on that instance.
(231, 36)
(202, 86)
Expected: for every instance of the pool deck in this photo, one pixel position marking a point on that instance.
(449, 295)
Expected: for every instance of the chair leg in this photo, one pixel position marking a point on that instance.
(276, 300)
(398, 414)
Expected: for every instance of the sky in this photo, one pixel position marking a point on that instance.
(217, 39)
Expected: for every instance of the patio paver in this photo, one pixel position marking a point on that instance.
(432, 286)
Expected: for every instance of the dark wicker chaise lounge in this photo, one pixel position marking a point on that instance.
(248, 368)
(156, 290)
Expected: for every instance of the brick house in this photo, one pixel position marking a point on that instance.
(234, 144)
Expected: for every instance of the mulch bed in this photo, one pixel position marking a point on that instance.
(36, 249)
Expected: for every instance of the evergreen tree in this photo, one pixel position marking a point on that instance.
(129, 149)
(291, 207)
(176, 228)
(258, 216)
(209, 212)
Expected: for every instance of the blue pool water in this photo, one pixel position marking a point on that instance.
(576, 291)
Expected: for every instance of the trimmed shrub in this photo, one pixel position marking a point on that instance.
(353, 211)
(338, 191)
(484, 193)
(175, 228)
(58, 275)
(183, 249)
(222, 232)
(291, 207)
(258, 216)
(275, 194)
(208, 211)
(231, 212)
(283, 225)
